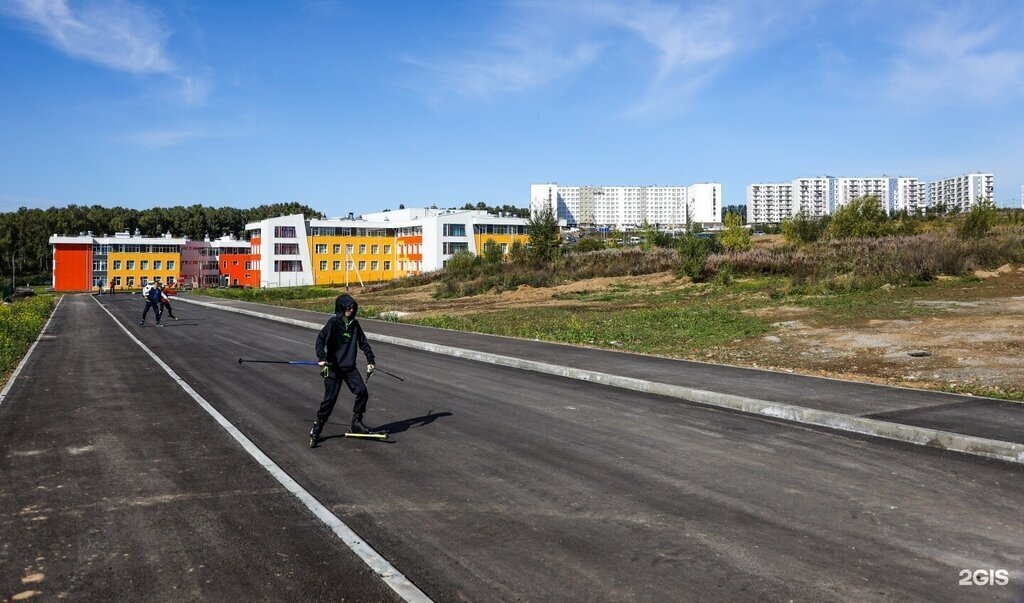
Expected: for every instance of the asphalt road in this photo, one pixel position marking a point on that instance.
(497, 484)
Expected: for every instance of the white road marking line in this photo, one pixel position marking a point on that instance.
(17, 371)
(381, 566)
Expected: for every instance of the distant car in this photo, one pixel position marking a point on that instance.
(570, 239)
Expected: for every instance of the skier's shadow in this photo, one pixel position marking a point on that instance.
(406, 424)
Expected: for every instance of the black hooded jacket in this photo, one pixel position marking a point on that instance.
(337, 341)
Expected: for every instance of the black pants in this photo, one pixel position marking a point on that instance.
(332, 387)
(156, 311)
(167, 307)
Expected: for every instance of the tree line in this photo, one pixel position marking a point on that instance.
(25, 234)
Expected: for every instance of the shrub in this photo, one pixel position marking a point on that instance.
(978, 221)
(461, 265)
(693, 253)
(801, 230)
(587, 244)
(735, 237)
(861, 218)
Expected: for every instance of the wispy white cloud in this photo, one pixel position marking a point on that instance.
(957, 57)
(682, 47)
(523, 57)
(115, 34)
(165, 137)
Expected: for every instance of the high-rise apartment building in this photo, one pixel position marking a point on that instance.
(961, 192)
(820, 196)
(629, 206)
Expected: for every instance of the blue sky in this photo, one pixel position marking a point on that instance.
(361, 106)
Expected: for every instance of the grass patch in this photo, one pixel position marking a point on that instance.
(20, 324)
(667, 331)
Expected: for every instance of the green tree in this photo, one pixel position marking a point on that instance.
(542, 231)
(978, 221)
(863, 217)
(801, 229)
(735, 237)
(492, 252)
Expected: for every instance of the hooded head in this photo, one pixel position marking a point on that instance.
(345, 301)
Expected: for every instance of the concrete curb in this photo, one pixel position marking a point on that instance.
(922, 436)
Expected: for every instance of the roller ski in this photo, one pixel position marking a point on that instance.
(314, 434)
(359, 430)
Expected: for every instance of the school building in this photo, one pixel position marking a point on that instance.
(286, 251)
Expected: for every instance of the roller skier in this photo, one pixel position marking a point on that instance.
(336, 351)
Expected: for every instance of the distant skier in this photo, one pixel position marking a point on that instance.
(152, 297)
(165, 301)
(336, 350)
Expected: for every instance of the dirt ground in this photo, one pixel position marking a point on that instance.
(972, 341)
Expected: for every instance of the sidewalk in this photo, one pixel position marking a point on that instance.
(983, 426)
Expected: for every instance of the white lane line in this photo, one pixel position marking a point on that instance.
(17, 371)
(391, 576)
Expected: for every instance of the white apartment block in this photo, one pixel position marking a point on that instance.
(626, 207)
(769, 202)
(820, 196)
(961, 192)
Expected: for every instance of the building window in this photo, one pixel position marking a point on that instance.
(374, 249)
(170, 264)
(117, 264)
(336, 249)
(286, 249)
(362, 264)
(374, 265)
(284, 232)
(362, 249)
(348, 265)
(117, 281)
(387, 265)
(143, 264)
(337, 265)
(387, 250)
(170, 280)
(349, 248)
(131, 281)
(323, 264)
(321, 247)
(287, 266)
(143, 280)
(451, 248)
(157, 264)
(234, 262)
(454, 230)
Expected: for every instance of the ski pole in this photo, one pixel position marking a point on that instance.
(389, 374)
(300, 362)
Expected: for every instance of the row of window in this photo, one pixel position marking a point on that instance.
(340, 231)
(321, 249)
(106, 249)
(498, 229)
(101, 265)
(129, 281)
(350, 265)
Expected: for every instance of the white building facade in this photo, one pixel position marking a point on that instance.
(820, 196)
(626, 207)
(961, 192)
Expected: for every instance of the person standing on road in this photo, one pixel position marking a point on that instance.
(152, 295)
(111, 286)
(165, 302)
(336, 350)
